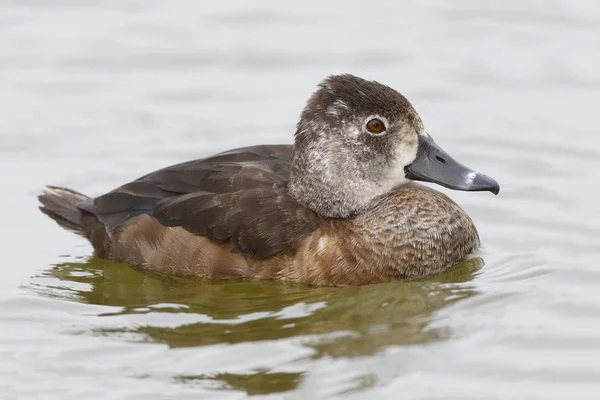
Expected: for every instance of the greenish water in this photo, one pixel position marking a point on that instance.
(368, 318)
(331, 322)
(97, 93)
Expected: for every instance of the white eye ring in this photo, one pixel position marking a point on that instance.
(377, 118)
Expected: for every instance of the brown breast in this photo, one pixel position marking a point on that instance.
(410, 233)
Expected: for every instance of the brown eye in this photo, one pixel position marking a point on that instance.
(375, 126)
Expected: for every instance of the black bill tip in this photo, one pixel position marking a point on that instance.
(483, 182)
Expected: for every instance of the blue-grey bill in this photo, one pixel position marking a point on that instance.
(433, 164)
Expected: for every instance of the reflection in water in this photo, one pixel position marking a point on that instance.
(258, 383)
(334, 322)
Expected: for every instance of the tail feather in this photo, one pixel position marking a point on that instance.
(61, 204)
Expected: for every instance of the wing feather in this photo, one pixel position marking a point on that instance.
(236, 197)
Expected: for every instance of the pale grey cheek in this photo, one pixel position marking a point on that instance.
(353, 131)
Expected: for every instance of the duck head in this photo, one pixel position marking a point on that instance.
(357, 140)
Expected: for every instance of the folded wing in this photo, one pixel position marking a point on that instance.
(236, 197)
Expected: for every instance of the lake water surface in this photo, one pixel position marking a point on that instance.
(94, 94)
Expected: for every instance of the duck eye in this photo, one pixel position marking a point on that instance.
(375, 125)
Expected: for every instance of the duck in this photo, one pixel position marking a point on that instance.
(341, 206)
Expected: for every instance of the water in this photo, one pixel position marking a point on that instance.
(95, 94)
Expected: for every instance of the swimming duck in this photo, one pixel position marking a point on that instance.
(339, 207)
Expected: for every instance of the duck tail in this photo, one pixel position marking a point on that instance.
(61, 204)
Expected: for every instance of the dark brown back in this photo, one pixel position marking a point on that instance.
(236, 197)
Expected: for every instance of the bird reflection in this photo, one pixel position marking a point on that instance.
(334, 322)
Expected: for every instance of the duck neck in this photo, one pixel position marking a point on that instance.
(329, 182)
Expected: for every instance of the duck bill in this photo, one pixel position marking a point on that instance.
(433, 164)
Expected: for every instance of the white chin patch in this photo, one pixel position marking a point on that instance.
(404, 156)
